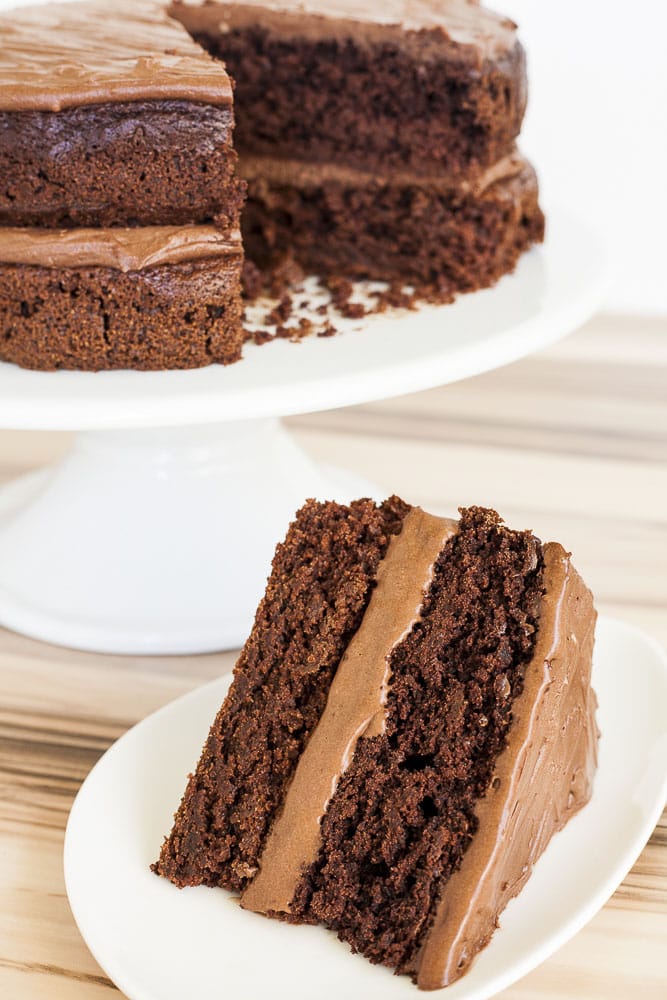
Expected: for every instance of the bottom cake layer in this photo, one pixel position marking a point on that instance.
(338, 222)
(152, 298)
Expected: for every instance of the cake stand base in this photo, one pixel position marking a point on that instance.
(155, 541)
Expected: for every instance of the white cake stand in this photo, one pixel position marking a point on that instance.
(155, 533)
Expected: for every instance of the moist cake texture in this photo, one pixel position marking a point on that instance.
(449, 734)
(315, 598)
(115, 127)
(378, 141)
(140, 163)
(423, 86)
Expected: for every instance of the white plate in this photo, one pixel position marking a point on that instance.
(554, 289)
(159, 943)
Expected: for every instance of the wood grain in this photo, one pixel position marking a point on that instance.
(571, 442)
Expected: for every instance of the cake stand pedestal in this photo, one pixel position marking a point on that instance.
(155, 533)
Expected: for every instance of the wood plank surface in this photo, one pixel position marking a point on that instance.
(571, 442)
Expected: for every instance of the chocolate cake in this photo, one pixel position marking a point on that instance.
(378, 140)
(409, 723)
(376, 143)
(119, 201)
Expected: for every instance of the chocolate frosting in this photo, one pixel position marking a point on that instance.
(120, 249)
(300, 174)
(459, 22)
(355, 708)
(64, 55)
(544, 775)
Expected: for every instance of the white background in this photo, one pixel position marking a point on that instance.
(597, 128)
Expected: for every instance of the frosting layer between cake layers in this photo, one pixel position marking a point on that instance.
(123, 249)
(305, 175)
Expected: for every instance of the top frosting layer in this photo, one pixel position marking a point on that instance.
(63, 55)
(462, 22)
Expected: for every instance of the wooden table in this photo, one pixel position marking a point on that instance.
(571, 442)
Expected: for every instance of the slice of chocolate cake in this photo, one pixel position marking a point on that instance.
(410, 722)
(378, 141)
(119, 201)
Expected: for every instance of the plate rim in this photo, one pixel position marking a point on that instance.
(502, 980)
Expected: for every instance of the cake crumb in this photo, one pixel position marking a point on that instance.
(296, 308)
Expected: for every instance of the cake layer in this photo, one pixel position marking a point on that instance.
(543, 776)
(484, 748)
(358, 224)
(112, 116)
(56, 56)
(146, 299)
(158, 162)
(409, 84)
(320, 585)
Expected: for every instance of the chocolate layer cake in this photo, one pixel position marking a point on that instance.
(119, 203)
(376, 144)
(410, 722)
(378, 141)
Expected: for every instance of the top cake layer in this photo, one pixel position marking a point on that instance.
(66, 55)
(461, 22)
(409, 85)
